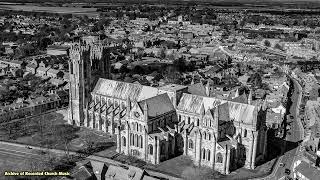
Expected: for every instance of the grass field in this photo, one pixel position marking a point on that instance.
(52, 130)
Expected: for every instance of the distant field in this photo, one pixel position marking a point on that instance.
(62, 10)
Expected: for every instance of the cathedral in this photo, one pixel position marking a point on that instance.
(156, 124)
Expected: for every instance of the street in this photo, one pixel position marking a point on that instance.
(292, 139)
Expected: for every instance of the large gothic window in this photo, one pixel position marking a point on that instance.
(136, 140)
(141, 141)
(219, 158)
(133, 126)
(123, 141)
(140, 128)
(162, 148)
(123, 105)
(245, 133)
(131, 139)
(208, 154)
(188, 120)
(190, 144)
(150, 148)
(209, 136)
(203, 154)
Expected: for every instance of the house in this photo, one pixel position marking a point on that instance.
(54, 73)
(305, 171)
(16, 72)
(42, 70)
(32, 67)
(57, 50)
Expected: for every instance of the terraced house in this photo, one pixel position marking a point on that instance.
(156, 124)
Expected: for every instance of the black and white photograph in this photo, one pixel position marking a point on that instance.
(159, 89)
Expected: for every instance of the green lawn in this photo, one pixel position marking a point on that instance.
(52, 131)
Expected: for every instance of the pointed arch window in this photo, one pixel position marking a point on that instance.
(208, 154)
(124, 141)
(190, 144)
(131, 139)
(219, 158)
(136, 140)
(141, 141)
(150, 148)
(203, 154)
(123, 105)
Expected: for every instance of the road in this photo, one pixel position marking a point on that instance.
(291, 148)
(295, 134)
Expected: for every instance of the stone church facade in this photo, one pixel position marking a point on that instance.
(156, 124)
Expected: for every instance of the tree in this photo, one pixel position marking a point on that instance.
(267, 43)
(138, 70)
(123, 69)
(64, 134)
(180, 64)
(44, 42)
(162, 53)
(277, 46)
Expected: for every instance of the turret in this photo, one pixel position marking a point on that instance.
(145, 111)
(208, 88)
(250, 97)
(237, 93)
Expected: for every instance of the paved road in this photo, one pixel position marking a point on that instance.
(295, 133)
(293, 137)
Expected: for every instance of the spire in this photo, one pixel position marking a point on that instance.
(145, 107)
(250, 97)
(264, 105)
(208, 88)
(192, 82)
(237, 93)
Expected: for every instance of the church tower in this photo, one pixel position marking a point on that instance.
(78, 71)
(87, 64)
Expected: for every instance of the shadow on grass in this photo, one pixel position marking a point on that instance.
(97, 147)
